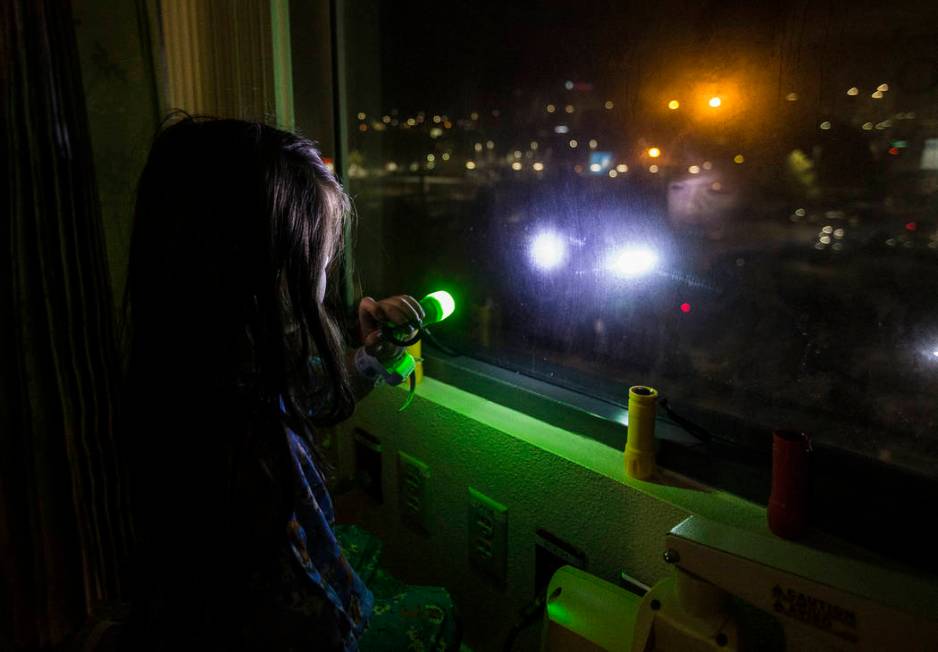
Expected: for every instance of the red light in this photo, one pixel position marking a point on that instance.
(894, 151)
(911, 226)
(685, 307)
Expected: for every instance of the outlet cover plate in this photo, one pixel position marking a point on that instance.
(412, 495)
(488, 537)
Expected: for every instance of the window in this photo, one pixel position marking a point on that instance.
(734, 203)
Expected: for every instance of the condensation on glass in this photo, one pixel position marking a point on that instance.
(735, 204)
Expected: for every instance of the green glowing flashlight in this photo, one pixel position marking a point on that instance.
(438, 305)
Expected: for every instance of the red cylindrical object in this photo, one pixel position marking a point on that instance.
(788, 502)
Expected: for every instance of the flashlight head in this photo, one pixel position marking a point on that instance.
(438, 305)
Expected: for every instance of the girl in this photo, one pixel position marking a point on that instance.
(235, 357)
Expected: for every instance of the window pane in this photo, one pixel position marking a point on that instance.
(732, 202)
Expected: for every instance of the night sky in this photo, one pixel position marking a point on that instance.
(480, 51)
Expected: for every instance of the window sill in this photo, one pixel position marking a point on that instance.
(594, 453)
(592, 434)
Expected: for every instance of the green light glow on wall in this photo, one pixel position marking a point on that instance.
(438, 305)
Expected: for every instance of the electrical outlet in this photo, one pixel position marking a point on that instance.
(412, 477)
(488, 536)
(550, 553)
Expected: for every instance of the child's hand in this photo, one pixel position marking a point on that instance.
(373, 315)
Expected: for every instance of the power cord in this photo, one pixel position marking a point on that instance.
(528, 615)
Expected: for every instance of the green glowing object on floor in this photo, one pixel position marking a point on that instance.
(438, 305)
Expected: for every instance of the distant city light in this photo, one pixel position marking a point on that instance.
(878, 95)
(569, 108)
(561, 129)
(608, 104)
(654, 152)
(474, 116)
(516, 153)
(883, 87)
(386, 119)
(436, 132)
(674, 105)
(632, 262)
(496, 113)
(707, 165)
(445, 156)
(411, 122)
(825, 125)
(573, 143)
(490, 144)
(653, 169)
(390, 166)
(568, 85)
(431, 158)
(363, 127)
(548, 251)
(470, 165)
(593, 144)
(715, 102)
(800, 212)
(613, 174)
(516, 166)
(551, 108)
(361, 115)
(437, 119)
(538, 167)
(867, 126)
(477, 147)
(853, 90)
(935, 353)
(685, 307)
(694, 169)
(596, 167)
(739, 159)
(534, 144)
(447, 124)
(792, 97)
(622, 168)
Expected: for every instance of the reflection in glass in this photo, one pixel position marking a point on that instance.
(734, 203)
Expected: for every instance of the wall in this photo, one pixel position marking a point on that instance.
(122, 103)
(547, 477)
(568, 484)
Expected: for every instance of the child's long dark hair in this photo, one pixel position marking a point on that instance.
(235, 223)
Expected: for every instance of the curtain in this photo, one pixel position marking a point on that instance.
(62, 533)
(218, 57)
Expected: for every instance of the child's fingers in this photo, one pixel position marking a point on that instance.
(398, 311)
(376, 346)
(371, 309)
(415, 305)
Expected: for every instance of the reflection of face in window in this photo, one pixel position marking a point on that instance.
(704, 202)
